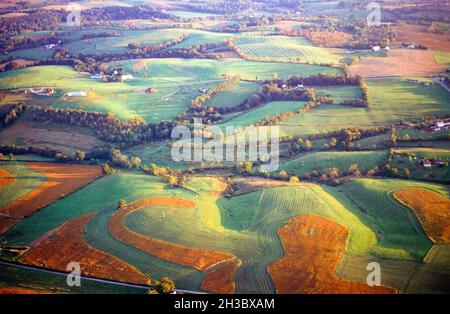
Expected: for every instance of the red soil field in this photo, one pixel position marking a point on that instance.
(313, 248)
(18, 291)
(418, 34)
(65, 244)
(6, 178)
(62, 179)
(196, 258)
(432, 211)
(221, 280)
(399, 62)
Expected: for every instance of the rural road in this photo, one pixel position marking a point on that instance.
(111, 282)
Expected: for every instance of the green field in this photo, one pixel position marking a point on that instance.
(27, 180)
(113, 45)
(398, 229)
(12, 277)
(285, 48)
(322, 161)
(177, 82)
(234, 95)
(271, 108)
(390, 100)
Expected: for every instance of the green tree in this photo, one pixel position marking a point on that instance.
(308, 145)
(283, 175)
(136, 162)
(248, 165)
(406, 172)
(79, 155)
(294, 179)
(11, 157)
(165, 286)
(122, 203)
(183, 181)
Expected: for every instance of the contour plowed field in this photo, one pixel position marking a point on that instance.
(313, 247)
(65, 244)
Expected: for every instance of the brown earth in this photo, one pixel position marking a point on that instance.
(432, 210)
(418, 34)
(61, 138)
(6, 178)
(18, 291)
(198, 259)
(313, 248)
(399, 62)
(65, 244)
(62, 179)
(221, 280)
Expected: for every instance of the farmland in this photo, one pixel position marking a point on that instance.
(283, 48)
(93, 114)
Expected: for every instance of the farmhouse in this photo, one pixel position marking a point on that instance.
(426, 163)
(43, 92)
(203, 90)
(77, 94)
(376, 48)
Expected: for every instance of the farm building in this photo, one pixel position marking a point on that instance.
(426, 163)
(150, 90)
(376, 48)
(42, 92)
(77, 94)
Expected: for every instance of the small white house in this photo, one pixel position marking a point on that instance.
(440, 124)
(376, 48)
(50, 46)
(387, 48)
(127, 77)
(77, 94)
(97, 77)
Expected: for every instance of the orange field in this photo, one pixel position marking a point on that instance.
(17, 291)
(432, 211)
(399, 62)
(195, 258)
(221, 280)
(6, 178)
(418, 34)
(313, 247)
(62, 179)
(65, 244)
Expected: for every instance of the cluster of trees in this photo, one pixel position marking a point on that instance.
(208, 114)
(439, 28)
(107, 126)
(321, 38)
(100, 35)
(355, 103)
(320, 79)
(114, 13)
(22, 42)
(301, 145)
(36, 20)
(12, 114)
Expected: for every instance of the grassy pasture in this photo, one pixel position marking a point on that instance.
(400, 234)
(402, 275)
(321, 161)
(234, 95)
(269, 109)
(177, 82)
(286, 48)
(390, 100)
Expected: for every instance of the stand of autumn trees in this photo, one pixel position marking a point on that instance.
(107, 126)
